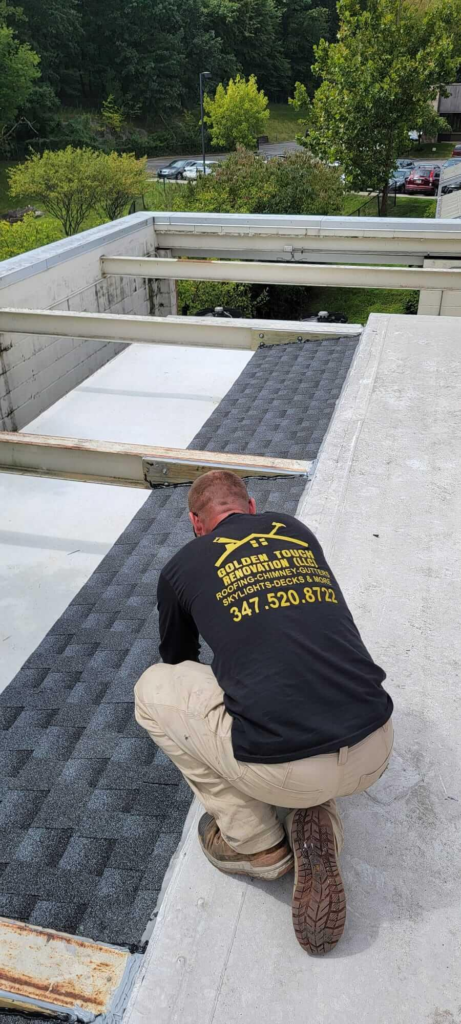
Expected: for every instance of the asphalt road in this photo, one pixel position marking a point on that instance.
(270, 149)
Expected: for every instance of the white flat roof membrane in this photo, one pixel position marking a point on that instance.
(385, 501)
(54, 533)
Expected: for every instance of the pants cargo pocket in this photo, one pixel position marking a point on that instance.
(366, 781)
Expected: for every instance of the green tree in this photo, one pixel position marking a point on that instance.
(302, 184)
(239, 185)
(245, 183)
(251, 33)
(18, 71)
(146, 50)
(148, 53)
(378, 82)
(112, 114)
(53, 29)
(237, 114)
(68, 184)
(123, 178)
(303, 26)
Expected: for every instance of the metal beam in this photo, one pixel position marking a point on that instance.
(252, 272)
(307, 239)
(206, 332)
(129, 465)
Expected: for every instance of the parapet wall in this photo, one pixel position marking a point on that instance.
(36, 371)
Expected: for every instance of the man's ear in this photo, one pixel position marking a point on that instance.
(252, 506)
(196, 525)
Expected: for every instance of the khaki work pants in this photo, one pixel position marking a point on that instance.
(181, 707)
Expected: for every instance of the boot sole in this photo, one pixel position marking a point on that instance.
(270, 873)
(319, 900)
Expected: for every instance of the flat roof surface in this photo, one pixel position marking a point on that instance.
(385, 502)
(92, 812)
(53, 533)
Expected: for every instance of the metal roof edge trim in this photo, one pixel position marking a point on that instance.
(322, 223)
(35, 261)
(56, 972)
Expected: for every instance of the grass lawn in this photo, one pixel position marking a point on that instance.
(357, 303)
(283, 124)
(406, 206)
(430, 151)
(159, 195)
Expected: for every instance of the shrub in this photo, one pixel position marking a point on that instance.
(244, 183)
(112, 115)
(304, 185)
(72, 182)
(78, 132)
(196, 295)
(412, 303)
(142, 144)
(29, 233)
(67, 184)
(123, 178)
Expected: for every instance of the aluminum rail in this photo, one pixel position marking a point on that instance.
(129, 465)
(253, 272)
(307, 239)
(205, 332)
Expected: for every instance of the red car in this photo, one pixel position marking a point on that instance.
(424, 178)
(457, 150)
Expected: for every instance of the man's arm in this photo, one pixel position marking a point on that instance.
(179, 638)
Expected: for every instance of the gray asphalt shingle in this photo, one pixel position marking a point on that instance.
(92, 811)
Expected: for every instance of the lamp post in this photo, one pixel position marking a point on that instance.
(203, 74)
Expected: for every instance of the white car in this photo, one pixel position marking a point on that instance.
(194, 172)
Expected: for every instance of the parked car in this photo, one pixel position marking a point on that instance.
(457, 150)
(423, 179)
(194, 172)
(405, 163)
(398, 179)
(174, 171)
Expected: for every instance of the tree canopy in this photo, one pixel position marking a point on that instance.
(378, 82)
(147, 54)
(18, 71)
(298, 183)
(236, 115)
(72, 182)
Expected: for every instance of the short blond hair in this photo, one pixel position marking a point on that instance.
(219, 489)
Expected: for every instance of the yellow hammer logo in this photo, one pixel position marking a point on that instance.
(255, 539)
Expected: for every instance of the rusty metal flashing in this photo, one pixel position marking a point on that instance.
(53, 973)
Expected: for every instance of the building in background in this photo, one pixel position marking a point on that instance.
(450, 108)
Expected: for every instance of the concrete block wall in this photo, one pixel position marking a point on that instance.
(163, 295)
(35, 371)
(438, 302)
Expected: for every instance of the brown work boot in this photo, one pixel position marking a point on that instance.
(268, 864)
(319, 900)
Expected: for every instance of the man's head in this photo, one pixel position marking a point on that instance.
(214, 496)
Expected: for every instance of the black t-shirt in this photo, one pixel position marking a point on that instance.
(296, 676)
